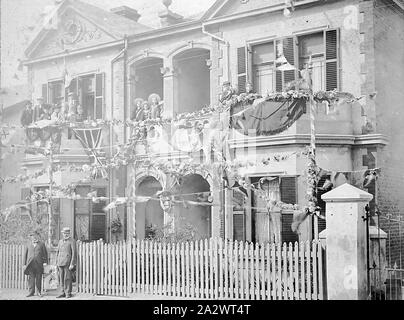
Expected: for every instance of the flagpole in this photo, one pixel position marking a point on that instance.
(312, 153)
(50, 170)
(1, 152)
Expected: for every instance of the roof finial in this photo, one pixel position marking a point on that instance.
(167, 3)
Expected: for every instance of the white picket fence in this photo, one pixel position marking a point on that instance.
(11, 271)
(206, 269)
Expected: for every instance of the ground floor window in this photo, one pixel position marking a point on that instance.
(273, 225)
(89, 217)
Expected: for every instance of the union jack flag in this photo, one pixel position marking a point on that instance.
(90, 139)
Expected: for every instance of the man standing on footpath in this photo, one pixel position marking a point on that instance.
(35, 257)
(66, 262)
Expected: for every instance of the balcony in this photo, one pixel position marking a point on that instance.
(333, 125)
(67, 147)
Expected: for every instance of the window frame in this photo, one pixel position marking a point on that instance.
(249, 44)
(91, 212)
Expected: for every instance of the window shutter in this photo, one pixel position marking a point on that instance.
(331, 39)
(98, 207)
(288, 190)
(287, 234)
(290, 51)
(241, 69)
(278, 74)
(98, 227)
(99, 95)
(238, 227)
(321, 203)
(45, 92)
(55, 206)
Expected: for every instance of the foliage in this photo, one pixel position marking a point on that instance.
(116, 225)
(182, 233)
(16, 228)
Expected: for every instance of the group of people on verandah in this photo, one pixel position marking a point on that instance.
(36, 258)
(59, 112)
(152, 108)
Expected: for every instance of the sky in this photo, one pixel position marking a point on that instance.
(20, 17)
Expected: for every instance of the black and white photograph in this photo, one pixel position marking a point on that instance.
(213, 152)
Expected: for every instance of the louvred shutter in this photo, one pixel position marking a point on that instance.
(289, 51)
(288, 190)
(278, 74)
(99, 95)
(241, 69)
(45, 92)
(98, 227)
(238, 227)
(288, 195)
(321, 203)
(287, 234)
(332, 59)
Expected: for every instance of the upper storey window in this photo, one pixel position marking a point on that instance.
(257, 64)
(87, 92)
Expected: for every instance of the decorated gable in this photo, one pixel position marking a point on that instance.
(70, 32)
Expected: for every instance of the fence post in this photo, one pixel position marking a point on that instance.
(377, 260)
(346, 249)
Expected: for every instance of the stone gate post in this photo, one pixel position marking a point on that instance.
(346, 250)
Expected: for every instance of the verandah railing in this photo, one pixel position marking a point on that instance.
(206, 269)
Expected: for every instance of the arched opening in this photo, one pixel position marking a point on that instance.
(194, 189)
(193, 80)
(146, 79)
(149, 215)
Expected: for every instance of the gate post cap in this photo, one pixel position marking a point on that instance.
(347, 193)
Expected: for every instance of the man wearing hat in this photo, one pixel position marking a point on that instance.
(227, 92)
(56, 114)
(66, 262)
(27, 114)
(35, 257)
(39, 109)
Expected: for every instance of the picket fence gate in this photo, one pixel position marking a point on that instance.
(205, 269)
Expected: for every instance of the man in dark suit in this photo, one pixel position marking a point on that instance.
(27, 115)
(35, 257)
(39, 110)
(66, 262)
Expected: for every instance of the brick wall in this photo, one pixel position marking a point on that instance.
(389, 48)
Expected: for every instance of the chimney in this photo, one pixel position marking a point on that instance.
(167, 17)
(126, 12)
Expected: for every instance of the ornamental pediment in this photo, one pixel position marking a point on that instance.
(70, 32)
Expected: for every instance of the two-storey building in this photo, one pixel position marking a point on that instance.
(111, 60)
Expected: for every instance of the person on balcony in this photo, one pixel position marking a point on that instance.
(27, 115)
(47, 112)
(80, 117)
(144, 113)
(156, 106)
(56, 114)
(227, 92)
(137, 106)
(39, 109)
(64, 111)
